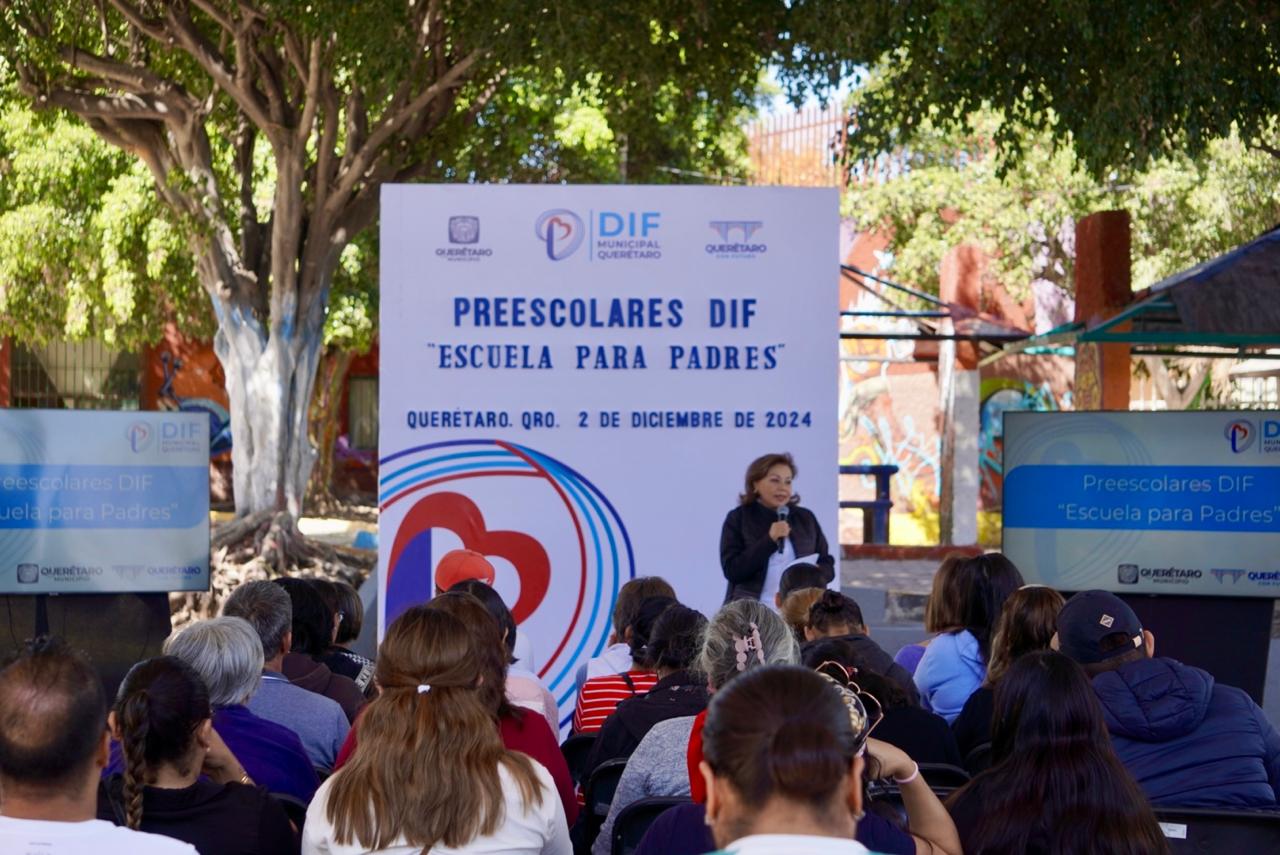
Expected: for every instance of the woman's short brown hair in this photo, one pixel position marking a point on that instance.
(1026, 624)
(759, 468)
(942, 611)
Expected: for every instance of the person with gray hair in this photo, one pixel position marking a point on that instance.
(227, 654)
(743, 635)
(318, 721)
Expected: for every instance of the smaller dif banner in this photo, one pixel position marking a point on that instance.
(103, 502)
(1160, 503)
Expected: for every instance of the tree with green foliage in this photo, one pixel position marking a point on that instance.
(955, 187)
(268, 127)
(1126, 82)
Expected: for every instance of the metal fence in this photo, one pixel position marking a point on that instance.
(74, 376)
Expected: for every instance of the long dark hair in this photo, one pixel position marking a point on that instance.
(158, 708)
(641, 626)
(1056, 777)
(981, 584)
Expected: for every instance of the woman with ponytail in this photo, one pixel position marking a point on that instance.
(179, 778)
(430, 771)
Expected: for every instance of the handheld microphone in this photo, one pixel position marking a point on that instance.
(783, 513)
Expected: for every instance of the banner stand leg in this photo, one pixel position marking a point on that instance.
(42, 616)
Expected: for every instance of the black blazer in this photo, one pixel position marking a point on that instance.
(745, 546)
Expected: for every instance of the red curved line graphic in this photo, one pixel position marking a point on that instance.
(540, 473)
(582, 554)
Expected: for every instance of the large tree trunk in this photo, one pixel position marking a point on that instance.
(269, 385)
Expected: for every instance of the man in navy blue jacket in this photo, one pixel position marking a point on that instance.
(1187, 740)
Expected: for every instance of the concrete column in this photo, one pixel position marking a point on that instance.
(960, 283)
(1103, 287)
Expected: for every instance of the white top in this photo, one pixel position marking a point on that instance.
(778, 561)
(91, 837)
(794, 844)
(540, 830)
(616, 659)
(525, 689)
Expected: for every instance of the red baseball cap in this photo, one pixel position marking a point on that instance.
(461, 565)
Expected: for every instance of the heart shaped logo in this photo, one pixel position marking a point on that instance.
(457, 513)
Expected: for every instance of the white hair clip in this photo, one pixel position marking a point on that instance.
(423, 688)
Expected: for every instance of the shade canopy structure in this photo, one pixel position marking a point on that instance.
(1227, 307)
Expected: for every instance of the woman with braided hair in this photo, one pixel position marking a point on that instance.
(430, 771)
(179, 778)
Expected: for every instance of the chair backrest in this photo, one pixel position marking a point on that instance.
(979, 759)
(575, 750)
(601, 786)
(294, 808)
(943, 776)
(634, 820)
(1219, 830)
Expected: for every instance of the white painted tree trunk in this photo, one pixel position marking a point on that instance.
(269, 383)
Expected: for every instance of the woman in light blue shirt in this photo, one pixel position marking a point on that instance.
(955, 663)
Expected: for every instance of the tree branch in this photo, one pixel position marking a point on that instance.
(393, 124)
(311, 102)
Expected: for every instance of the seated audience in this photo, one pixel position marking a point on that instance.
(955, 663)
(834, 615)
(783, 760)
(600, 696)
(616, 658)
(1188, 740)
(348, 619)
(312, 628)
(431, 771)
(940, 613)
(679, 691)
(743, 635)
(523, 686)
(520, 729)
(180, 779)
(801, 575)
(53, 747)
(1027, 623)
(921, 734)
(227, 655)
(320, 722)
(795, 609)
(1057, 785)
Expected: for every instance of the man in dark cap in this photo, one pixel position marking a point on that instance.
(1187, 740)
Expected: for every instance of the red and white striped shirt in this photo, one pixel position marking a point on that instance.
(599, 696)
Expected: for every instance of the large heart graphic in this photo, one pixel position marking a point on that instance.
(457, 513)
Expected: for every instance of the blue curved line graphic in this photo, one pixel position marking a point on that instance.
(441, 459)
(452, 443)
(426, 476)
(579, 491)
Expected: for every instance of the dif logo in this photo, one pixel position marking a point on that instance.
(561, 232)
(139, 435)
(1243, 434)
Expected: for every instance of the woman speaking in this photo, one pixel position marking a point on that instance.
(768, 529)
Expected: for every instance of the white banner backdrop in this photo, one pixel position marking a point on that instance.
(574, 379)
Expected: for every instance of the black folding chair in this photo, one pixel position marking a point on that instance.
(598, 796)
(1219, 830)
(979, 759)
(294, 808)
(634, 820)
(942, 777)
(575, 750)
